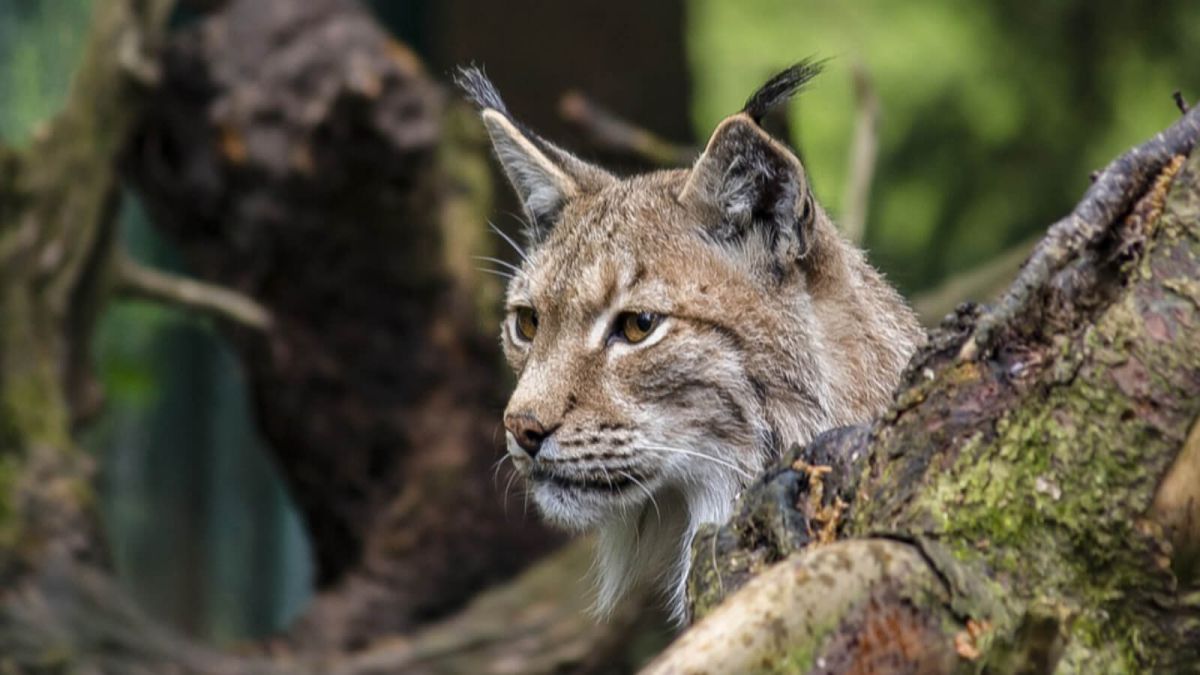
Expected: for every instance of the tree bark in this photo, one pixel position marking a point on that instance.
(1028, 504)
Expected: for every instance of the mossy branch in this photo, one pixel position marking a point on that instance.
(780, 620)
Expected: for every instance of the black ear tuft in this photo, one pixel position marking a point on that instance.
(480, 90)
(781, 87)
(543, 175)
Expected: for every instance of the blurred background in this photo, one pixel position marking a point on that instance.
(976, 125)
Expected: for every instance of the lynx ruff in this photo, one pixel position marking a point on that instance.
(672, 331)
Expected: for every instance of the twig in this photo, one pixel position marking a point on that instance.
(134, 280)
(613, 133)
(979, 283)
(1180, 102)
(1112, 194)
(863, 154)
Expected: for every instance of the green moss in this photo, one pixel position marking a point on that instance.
(1059, 490)
(31, 405)
(9, 523)
(35, 410)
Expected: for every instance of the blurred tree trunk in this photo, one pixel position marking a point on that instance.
(301, 157)
(314, 172)
(57, 200)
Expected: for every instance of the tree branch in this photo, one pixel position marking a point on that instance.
(537, 624)
(134, 280)
(863, 155)
(610, 132)
(1081, 233)
(884, 586)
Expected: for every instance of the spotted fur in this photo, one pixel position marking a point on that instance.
(773, 329)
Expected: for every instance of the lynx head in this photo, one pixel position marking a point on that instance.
(669, 331)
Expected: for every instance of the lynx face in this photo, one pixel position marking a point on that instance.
(671, 331)
(625, 332)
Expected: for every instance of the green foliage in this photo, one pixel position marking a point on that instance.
(40, 43)
(993, 114)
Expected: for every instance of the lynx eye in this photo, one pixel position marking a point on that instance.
(636, 326)
(527, 323)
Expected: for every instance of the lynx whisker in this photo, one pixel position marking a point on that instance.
(516, 270)
(520, 251)
(525, 222)
(496, 469)
(508, 488)
(649, 495)
(498, 273)
(608, 479)
(607, 475)
(700, 455)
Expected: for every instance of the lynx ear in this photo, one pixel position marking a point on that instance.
(541, 185)
(747, 184)
(544, 177)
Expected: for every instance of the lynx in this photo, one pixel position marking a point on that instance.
(672, 331)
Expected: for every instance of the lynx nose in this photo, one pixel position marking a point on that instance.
(528, 432)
